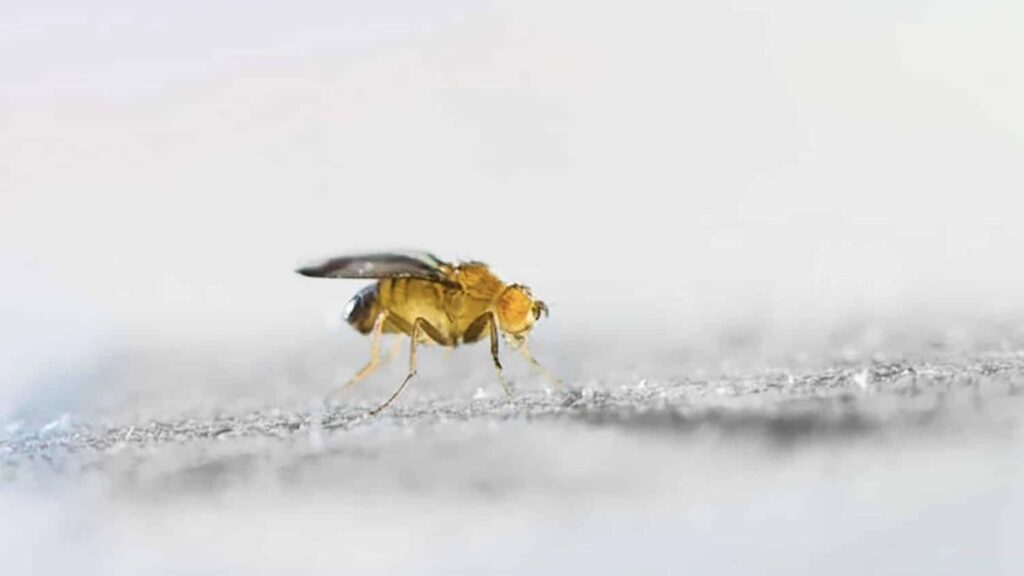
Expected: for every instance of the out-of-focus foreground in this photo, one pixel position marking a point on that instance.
(860, 451)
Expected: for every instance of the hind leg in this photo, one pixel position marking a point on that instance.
(375, 360)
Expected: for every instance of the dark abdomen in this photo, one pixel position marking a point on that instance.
(362, 309)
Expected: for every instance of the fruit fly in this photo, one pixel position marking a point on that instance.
(432, 301)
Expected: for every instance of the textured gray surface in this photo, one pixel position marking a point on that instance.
(837, 459)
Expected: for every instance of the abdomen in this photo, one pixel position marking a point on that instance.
(407, 299)
(363, 308)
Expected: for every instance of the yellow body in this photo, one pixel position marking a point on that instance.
(430, 300)
(451, 310)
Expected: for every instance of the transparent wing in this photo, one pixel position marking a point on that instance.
(383, 265)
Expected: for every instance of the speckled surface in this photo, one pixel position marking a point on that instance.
(841, 459)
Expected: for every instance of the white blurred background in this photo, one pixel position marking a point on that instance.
(651, 163)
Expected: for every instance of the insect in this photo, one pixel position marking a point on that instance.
(432, 301)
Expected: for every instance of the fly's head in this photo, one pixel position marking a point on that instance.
(517, 311)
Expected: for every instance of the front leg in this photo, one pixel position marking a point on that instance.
(540, 367)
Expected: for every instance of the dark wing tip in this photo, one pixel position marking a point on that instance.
(321, 269)
(309, 271)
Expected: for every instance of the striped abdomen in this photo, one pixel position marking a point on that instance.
(405, 300)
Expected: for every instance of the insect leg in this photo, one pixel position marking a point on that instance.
(396, 344)
(419, 326)
(529, 357)
(374, 363)
(493, 322)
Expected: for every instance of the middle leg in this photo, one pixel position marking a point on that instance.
(493, 327)
(475, 332)
(419, 327)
